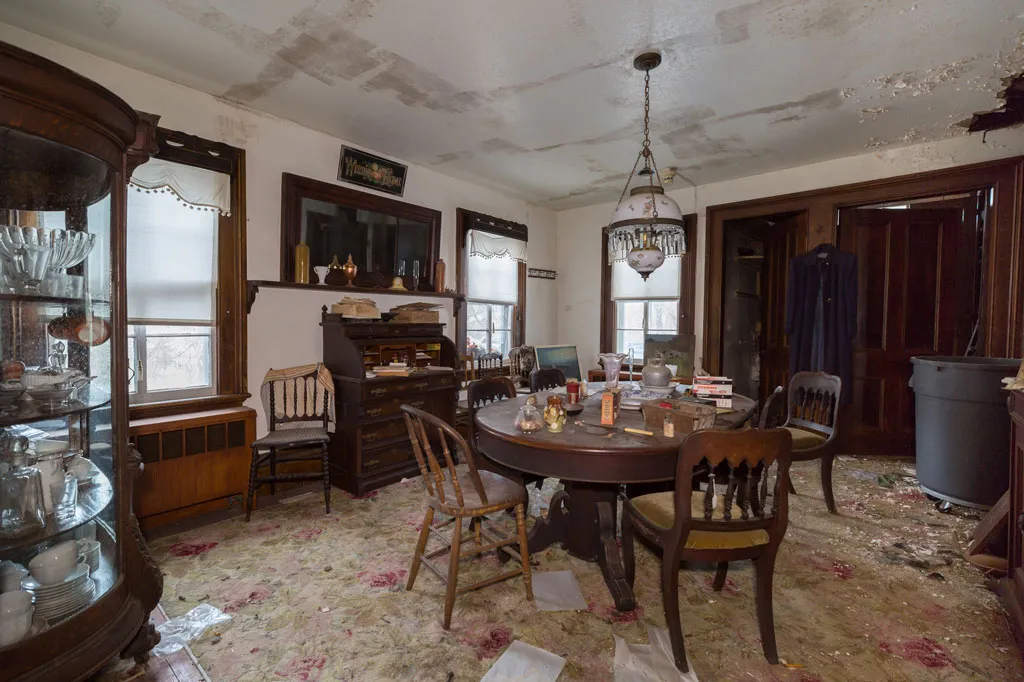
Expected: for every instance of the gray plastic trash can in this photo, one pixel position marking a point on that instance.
(962, 428)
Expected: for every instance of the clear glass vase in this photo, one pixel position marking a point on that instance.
(612, 363)
(21, 500)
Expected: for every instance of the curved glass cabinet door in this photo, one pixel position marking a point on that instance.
(56, 442)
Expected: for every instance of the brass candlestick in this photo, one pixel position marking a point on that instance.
(349, 269)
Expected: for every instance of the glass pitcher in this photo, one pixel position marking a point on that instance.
(612, 363)
(21, 499)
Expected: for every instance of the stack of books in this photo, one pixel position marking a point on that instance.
(718, 389)
(393, 369)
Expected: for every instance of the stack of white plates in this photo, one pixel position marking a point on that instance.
(62, 599)
(89, 554)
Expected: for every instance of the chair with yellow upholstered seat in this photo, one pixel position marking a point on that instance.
(812, 417)
(720, 524)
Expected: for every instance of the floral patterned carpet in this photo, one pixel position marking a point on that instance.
(878, 593)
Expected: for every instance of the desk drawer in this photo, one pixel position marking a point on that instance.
(410, 387)
(382, 431)
(386, 458)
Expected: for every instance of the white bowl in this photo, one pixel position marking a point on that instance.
(14, 604)
(55, 564)
(11, 576)
(15, 627)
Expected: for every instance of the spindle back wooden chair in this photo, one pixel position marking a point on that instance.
(488, 365)
(300, 444)
(812, 417)
(545, 379)
(472, 496)
(521, 361)
(710, 527)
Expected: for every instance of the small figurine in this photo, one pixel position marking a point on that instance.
(554, 414)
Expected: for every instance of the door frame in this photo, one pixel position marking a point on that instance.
(1002, 318)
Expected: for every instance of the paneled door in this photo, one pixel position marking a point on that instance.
(917, 269)
(784, 241)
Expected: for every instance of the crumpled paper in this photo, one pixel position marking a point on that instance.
(177, 632)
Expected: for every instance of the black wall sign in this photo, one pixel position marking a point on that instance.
(371, 171)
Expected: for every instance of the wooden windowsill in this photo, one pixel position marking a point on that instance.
(171, 408)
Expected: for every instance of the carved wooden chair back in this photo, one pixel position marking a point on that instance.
(484, 391)
(773, 412)
(545, 379)
(299, 399)
(441, 480)
(813, 402)
(522, 360)
(758, 471)
(488, 365)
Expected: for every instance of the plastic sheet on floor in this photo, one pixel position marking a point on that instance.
(557, 591)
(177, 632)
(649, 662)
(524, 663)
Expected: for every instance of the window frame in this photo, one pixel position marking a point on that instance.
(687, 290)
(491, 329)
(229, 336)
(646, 323)
(137, 341)
(466, 220)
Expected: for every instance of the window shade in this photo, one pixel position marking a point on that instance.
(663, 282)
(172, 260)
(493, 267)
(197, 188)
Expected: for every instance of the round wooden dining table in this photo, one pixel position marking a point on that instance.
(593, 462)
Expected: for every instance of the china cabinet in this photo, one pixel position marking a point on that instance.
(68, 536)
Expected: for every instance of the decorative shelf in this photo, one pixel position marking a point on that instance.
(88, 398)
(254, 286)
(52, 300)
(91, 502)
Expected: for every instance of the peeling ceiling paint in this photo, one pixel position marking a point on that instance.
(540, 100)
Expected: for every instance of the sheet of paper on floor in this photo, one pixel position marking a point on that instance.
(524, 663)
(557, 591)
(649, 662)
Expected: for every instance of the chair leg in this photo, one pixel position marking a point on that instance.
(453, 573)
(670, 599)
(764, 568)
(628, 550)
(477, 525)
(720, 575)
(273, 471)
(524, 552)
(792, 490)
(421, 545)
(252, 484)
(327, 481)
(826, 483)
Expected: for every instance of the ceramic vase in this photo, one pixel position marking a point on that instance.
(655, 373)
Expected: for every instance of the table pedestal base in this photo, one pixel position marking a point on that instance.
(581, 519)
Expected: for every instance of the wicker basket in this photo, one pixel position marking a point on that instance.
(686, 415)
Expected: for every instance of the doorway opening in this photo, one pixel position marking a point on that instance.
(920, 269)
(755, 268)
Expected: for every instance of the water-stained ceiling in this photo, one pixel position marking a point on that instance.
(539, 98)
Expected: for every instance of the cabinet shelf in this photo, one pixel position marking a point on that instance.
(89, 398)
(91, 502)
(52, 300)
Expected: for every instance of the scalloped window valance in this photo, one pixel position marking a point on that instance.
(487, 245)
(197, 188)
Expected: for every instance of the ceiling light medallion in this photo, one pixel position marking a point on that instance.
(647, 226)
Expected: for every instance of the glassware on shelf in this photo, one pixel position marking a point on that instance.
(415, 274)
(21, 498)
(51, 471)
(26, 252)
(65, 498)
(612, 363)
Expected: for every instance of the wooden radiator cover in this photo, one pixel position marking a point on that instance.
(192, 463)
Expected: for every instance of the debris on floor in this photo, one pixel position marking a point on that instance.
(649, 662)
(524, 663)
(190, 627)
(557, 591)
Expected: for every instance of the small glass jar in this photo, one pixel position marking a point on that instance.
(21, 499)
(529, 419)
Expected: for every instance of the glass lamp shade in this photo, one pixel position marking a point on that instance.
(640, 239)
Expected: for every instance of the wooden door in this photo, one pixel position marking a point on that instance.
(916, 273)
(782, 242)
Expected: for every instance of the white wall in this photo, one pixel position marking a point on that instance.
(283, 326)
(579, 230)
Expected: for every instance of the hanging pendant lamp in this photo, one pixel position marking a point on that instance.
(647, 226)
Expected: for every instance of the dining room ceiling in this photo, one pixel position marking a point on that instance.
(539, 99)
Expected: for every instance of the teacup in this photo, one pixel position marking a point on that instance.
(55, 564)
(14, 604)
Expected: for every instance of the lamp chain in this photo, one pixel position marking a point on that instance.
(648, 157)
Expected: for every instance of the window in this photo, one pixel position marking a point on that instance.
(172, 285)
(644, 308)
(494, 265)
